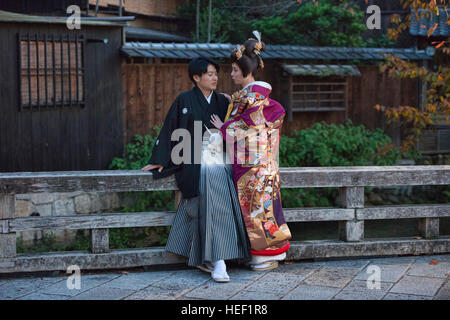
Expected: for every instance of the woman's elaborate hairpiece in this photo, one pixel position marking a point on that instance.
(258, 45)
(240, 49)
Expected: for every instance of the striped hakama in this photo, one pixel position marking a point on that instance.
(210, 227)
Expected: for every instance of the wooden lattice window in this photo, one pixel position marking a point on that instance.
(436, 140)
(319, 95)
(51, 70)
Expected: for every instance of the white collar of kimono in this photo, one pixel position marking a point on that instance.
(259, 83)
(209, 98)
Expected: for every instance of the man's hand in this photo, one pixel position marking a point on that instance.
(152, 166)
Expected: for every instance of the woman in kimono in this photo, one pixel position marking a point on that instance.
(208, 227)
(252, 134)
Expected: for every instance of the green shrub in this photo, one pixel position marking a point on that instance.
(137, 153)
(326, 145)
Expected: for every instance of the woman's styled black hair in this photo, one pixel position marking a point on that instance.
(199, 66)
(249, 61)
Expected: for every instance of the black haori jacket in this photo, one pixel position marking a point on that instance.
(188, 107)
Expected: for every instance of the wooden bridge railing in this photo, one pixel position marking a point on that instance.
(351, 215)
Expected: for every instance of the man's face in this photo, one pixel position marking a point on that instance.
(208, 80)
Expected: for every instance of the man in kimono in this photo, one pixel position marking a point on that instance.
(208, 227)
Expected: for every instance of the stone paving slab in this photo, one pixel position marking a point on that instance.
(137, 281)
(212, 290)
(444, 292)
(307, 292)
(402, 278)
(388, 272)
(276, 283)
(425, 269)
(305, 268)
(422, 286)
(331, 277)
(87, 282)
(401, 296)
(347, 264)
(359, 290)
(255, 295)
(183, 280)
(17, 288)
(43, 296)
(157, 293)
(239, 274)
(103, 293)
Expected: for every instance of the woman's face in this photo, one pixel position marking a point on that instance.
(236, 74)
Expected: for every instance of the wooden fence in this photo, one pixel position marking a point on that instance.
(351, 215)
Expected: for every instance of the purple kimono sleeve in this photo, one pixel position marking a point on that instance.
(232, 127)
(274, 112)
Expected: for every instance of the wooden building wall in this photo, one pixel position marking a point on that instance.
(40, 7)
(150, 89)
(148, 7)
(69, 137)
(374, 88)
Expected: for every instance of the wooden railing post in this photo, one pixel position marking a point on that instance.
(99, 240)
(429, 227)
(7, 239)
(351, 198)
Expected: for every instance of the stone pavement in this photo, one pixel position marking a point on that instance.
(400, 278)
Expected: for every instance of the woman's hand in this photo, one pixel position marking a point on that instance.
(215, 120)
(226, 96)
(152, 166)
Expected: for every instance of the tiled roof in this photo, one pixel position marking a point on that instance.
(223, 50)
(420, 25)
(146, 34)
(321, 70)
(6, 16)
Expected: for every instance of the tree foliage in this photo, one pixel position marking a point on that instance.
(322, 23)
(437, 104)
(311, 23)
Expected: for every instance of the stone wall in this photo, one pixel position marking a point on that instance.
(62, 204)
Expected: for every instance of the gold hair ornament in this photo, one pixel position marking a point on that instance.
(239, 51)
(258, 47)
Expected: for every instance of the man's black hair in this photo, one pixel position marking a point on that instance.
(199, 66)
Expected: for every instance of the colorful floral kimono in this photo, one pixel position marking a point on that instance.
(252, 133)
